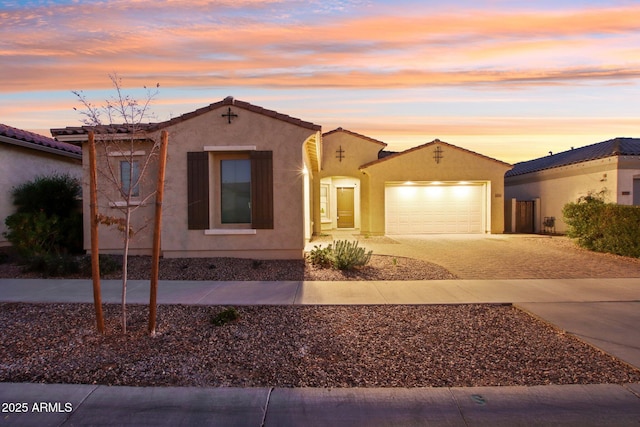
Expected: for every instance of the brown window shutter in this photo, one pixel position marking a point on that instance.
(262, 189)
(198, 190)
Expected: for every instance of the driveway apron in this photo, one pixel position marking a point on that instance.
(504, 256)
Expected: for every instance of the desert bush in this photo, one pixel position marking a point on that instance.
(341, 254)
(108, 264)
(321, 257)
(227, 315)
(53, 194)
(347, 255)
(46, 219)
(53, 265)
(604, 227)
(32, 234)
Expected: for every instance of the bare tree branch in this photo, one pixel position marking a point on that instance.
(120, 128)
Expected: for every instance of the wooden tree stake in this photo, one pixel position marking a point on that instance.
(95, 251)
(155, 262)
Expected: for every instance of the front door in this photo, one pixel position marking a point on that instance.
(524, 216)
(345, 207)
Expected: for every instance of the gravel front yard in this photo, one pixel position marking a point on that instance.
(299, 346)
(380, 268)
(294, 346)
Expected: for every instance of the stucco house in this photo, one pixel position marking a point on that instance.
(244, 181)
(433, 188)
(557, 179)
(26, 155)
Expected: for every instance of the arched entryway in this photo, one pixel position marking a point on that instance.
(340, 203)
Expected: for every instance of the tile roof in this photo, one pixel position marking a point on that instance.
(385, 157)
(354, 134)
(111, 129)
(383, 153)
(228, 101)
(613, 147)
(36, 141)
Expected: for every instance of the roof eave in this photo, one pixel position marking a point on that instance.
(419, 147)
(38, 147)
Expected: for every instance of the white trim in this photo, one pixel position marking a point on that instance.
(229, 148)
(228, 231)
(123, 204)
(125, 153)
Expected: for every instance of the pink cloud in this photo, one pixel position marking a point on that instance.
(195, 43)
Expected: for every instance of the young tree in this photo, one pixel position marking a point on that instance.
(120, 133)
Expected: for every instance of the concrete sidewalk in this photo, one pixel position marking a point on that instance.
(347, 292)
(604, 312)
(78, 405)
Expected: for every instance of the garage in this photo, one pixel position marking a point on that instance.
(424, 208)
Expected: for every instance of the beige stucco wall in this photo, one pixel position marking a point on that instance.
(628, 170)
(249, 129)
(357, 152)
(109, 238)
(559, 186)
(20, 165)
(336, 172)
(419, 165)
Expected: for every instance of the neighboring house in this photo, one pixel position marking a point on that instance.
(557, 179)
(243, 181)
(25, 156)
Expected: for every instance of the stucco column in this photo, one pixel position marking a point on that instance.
(365, 211)
(315, 204)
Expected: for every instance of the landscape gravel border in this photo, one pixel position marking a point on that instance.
(299, 346)
(381, 267)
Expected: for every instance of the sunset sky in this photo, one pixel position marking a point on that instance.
(510, 79)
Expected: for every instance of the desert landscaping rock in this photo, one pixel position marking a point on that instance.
(299, 346)
(233, 269)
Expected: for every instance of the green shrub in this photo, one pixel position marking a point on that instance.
(321, 257)
(342, 255)
(53, 265)
(33, 233)
(227, 315)
(347, 255)
(604, 227)
(54, 195)
(108, 264)
(47, 220)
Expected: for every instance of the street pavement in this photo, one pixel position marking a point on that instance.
(602, 312)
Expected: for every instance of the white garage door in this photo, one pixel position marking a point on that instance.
(422, 209)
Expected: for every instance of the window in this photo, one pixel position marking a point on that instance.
(324, 201)
(235, 191)
(129, 175)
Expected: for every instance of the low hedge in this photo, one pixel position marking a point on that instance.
(604, 227)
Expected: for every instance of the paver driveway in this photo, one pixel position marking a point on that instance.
(504, 256)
